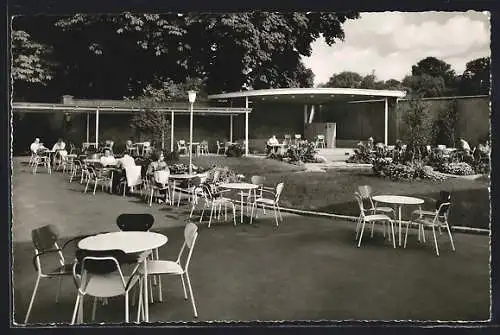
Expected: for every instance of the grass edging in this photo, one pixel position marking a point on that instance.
(355, 218)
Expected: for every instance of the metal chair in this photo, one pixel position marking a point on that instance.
(45, 242)
(101, 176)
(274, 202)
(439, 220)
(212, 201)
(363, 219)
(166, 267)
(181, 146)
(221, 147)
(366, 193)
(135, 222)
(99, 275)
(320, 141)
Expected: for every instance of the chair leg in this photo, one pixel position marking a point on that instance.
(234, 214)
(251, 213)
(211, 213)
(435, 240)
(32, 300)
(276, 215)
(451, 238)
(192, 296)
(58, 288)
(95, 186)
(358, 224)
(393, 234)
(279, 212)
(361, 234)
(406, 233)
(126, 307)
(140, 304)
(184, 287)
(151, 197)
(94, 308)
(75, 310)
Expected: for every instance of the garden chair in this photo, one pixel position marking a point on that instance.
(133, 178)
(364, 218)
(274, 202)
(439, 220)
(255, 193)
(76, 168)
(185, 187)
(287, 139)
(221, 147)
(204, 148)
(444, 196)
(108, 144)
(212, 200)
(297, 138)
(63, 162)
(102, 176)
(366, 193)
(99, 275)
(181, 146)
(320, 141)
(168, 267)
(43, 159)
(160, 183)
(45, 242)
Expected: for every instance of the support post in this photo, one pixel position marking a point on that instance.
(97, 128)
(88, 122)
(386, 121)
(191, 138)
(246, 127)
(172, 132)
(311, 115)
(305, 114)
(231, 128)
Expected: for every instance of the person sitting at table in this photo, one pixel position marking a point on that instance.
(107, 159)
(57, 148)
(158, 163)
(120, 174)
(271, 144)
(37, 146)
(125, 161)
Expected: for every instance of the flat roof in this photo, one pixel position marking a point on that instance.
(310, 95)
(31, 107)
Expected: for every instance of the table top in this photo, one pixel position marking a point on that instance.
(185, 176)
(128, 241)
(239, 186)
(398, 199)
(277, 145)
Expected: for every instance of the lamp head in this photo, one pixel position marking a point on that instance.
(192, 96)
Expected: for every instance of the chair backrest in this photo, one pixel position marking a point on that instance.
(287, 137)
(444, 197)
(190, 235)
(258, 180)
(135, 222)
(45, 238)
(100, 262)
(365, 191)
(181, 143)
(146, 144)
(321, 138)
(220, 144)
(133, 175)
(279, 189)
(196, 181)
(298, 136)
(443, 209)
(161, 176)
(359, 200)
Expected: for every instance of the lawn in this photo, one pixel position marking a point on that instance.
(332, 191)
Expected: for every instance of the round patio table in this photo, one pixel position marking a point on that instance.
(130, 242)
(399, 201)
(242, 187)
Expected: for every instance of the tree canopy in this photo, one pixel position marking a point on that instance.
(119, 55)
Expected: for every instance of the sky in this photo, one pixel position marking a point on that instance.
(389, 43)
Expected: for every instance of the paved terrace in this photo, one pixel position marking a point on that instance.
(307, 269)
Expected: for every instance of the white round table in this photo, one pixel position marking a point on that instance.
(129, 242)
(242, 187)
(399, 201)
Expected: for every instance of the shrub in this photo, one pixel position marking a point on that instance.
(362, 155)
(386, 167)
(460, 169)
(303, 152)
(234, 150)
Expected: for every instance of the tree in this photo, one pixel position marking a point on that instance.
(393, 84)
(31, 60)
(417, 130)
(436, 68)
(229, 51)
(425, 85)
(345, 79)
(476, 78)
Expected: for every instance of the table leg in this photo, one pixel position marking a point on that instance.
(399, 217)
(241, 206)
(146, 293)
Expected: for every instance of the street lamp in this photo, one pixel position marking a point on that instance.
(192, 98)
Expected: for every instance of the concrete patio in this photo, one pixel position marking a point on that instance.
(307, 269)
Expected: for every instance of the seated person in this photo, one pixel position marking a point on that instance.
(108, 159)
(37, 146)
(158, 163)
(125, 161)
(464, 146)
(60, 145)
(271, 143)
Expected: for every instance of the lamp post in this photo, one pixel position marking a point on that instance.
(192, 98)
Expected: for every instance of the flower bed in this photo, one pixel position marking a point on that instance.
(302, 152)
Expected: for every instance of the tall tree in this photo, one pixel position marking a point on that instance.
(476, 77)
(229, 51)
(347, 79)
(425, 85)
(436, 68)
